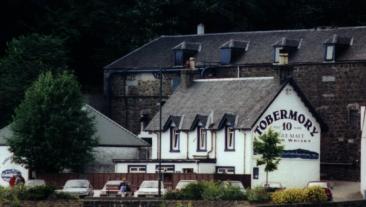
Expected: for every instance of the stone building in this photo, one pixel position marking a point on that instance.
(328, 64)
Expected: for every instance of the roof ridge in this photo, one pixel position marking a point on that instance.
(234, 79)
(267, 31)
(111, 121)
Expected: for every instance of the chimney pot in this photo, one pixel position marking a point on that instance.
(200, 29)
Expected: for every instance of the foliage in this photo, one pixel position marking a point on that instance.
(26, 57)
(313, 195)
(288, 196)
(206, 190)
(257, 194)
(19, 193)
(51, 131)
(268, 146)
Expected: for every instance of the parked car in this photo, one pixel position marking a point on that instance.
(149, 188)
(81, 188)
(234, 183)
(112, 188)
(183, 183)
(273, 186)
(325, 185)
(34, 183)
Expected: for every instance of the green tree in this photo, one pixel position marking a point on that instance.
(51, 131)
(268, 147)
(26, 57)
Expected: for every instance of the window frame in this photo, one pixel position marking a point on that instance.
(229, 131)
(225, 170)
(163, 167)
(276, 54)
(174, 139)
(200, 132)
(137, 166)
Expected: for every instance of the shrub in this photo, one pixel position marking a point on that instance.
(315, 194)
(258, 194)
(232, 193)
(193, 191)
(212, 191)
(36, 193)
(173, 196)
(288, 196)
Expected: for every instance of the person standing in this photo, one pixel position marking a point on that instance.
(12, 181)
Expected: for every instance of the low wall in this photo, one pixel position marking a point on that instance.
(185, 203)
(59, 203)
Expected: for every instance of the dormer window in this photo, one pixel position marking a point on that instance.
(184, 51)
(201, 139)
(232, 50)
(277, 54)
(335, 46)
(174, 139)
(284, 45)
(329, 53)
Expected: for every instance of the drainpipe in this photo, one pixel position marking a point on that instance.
(187, 145)
(244, 149)
(211, 147)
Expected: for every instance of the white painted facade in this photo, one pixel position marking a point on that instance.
(7, 167)
(292, 172)
(363, 152)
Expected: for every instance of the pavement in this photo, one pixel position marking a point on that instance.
(345, 190)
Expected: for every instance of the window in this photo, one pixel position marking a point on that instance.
(229, 139)
(353, 117)
(174, 140)
(179, 57)
(201, 139)
(225, 170)
(329, 53)
(137, 168)
(187, 170)
(225, 56)
(165, 168)
(277, 54)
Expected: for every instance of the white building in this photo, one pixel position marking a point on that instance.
(209, 127)
(114, 142)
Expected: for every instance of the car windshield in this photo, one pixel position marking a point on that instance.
(274, 185)
(236, 184)
(150, 184)
(77, 184)
(320, 184)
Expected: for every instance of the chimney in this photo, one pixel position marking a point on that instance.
(186, 75)
(200, 29)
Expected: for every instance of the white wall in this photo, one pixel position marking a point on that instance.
(363, 151)
(231, 158)
(7, 164)
(292, 172)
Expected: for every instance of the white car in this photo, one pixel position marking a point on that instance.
(149, 188)
(81, 188)
(34, 183)
(183, 183)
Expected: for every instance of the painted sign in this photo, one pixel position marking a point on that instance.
(8, 173)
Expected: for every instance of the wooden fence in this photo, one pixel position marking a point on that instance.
(134, 179)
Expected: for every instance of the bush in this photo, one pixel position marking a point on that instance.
(312, 194)
(288, 196)
(206, 190)
(315, 194)
(258, 194)
(36, 193)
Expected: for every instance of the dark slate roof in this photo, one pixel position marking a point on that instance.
(235, 102)
(159, 53)
(109, 132)
(112, 134)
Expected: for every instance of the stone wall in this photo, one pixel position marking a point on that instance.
(58, 203)
(335, 90)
